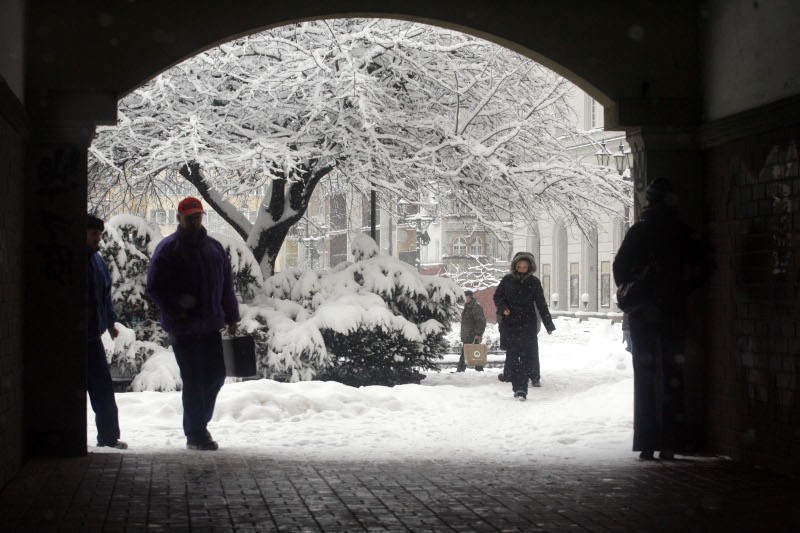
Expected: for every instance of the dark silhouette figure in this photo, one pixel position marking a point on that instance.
(191, 280)
(661, 248)
(101, 318)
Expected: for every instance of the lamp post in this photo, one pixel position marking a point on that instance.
(423, 239)
(622, 160)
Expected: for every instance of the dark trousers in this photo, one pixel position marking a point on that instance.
(522, 363)
(101, 394)
(202, 368)
(658, 404)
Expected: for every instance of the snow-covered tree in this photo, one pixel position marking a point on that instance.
(410, 109)
(481, 273)
(128, 244)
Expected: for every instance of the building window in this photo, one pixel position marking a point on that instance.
(159, 216)
(546, 281)
(459, 208)
(366, 214)
(338, 216)
(338, 249)
(405, 209)
(590, 120)
(476, 247)
(291, 253)
(605, 283)
(574, 284)
(459, 246)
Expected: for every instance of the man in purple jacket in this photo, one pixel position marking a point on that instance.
(191, 281)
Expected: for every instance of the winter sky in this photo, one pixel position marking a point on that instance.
(582, 412)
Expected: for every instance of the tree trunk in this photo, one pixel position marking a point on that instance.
(268, 243)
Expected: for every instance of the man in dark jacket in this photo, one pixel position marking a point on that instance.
(101, 317)
(473, 324)
(517, 298)
(661, 245)
(190, 279)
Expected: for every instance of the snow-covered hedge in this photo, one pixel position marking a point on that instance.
(247, 279)
(126, 354)
(127, 246)
(375, 321)
(128, 243)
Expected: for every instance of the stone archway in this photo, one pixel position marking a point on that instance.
(84, 57)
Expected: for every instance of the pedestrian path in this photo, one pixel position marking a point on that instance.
(226, 491)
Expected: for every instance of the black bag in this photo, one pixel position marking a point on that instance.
(634, 295)
(240, 356)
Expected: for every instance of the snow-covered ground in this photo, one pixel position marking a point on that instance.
(583, 411)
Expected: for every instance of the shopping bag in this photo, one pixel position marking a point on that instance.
(239, 353)
(475, 354)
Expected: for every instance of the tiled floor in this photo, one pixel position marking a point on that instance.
(224, 491)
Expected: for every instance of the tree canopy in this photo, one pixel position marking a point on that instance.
(409, 109)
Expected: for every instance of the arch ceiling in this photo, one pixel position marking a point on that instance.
(98, 51)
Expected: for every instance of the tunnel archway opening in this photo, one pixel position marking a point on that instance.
(525, 236)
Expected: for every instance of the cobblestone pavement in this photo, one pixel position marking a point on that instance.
(225, 491)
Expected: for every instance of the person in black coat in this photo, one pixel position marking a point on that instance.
(661, 245)
(517, 297)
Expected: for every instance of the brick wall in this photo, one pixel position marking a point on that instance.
(11, 216)
(753, 388)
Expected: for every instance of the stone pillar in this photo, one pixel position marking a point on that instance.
(55, 288)
(672, 154)
(589, 264)
(675, 154)
(535, 245)
(560, 272)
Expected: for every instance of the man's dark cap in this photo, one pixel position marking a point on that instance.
(95, 223)
(468, 293)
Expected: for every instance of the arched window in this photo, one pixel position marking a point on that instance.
(476, 247)
(459, 246)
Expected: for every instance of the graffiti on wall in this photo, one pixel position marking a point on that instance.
(56, 184)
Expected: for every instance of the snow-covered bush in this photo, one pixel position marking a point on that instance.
(128, 245)
(378, 320)
(247, 279)
(125, 354)
(160, 373)
(287, 343)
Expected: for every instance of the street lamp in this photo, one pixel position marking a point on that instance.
(603, 155)
(421, 223)
(622, 159)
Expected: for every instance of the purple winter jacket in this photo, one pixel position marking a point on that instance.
(191, 281)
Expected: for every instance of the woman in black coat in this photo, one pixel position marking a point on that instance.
(517, 298)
